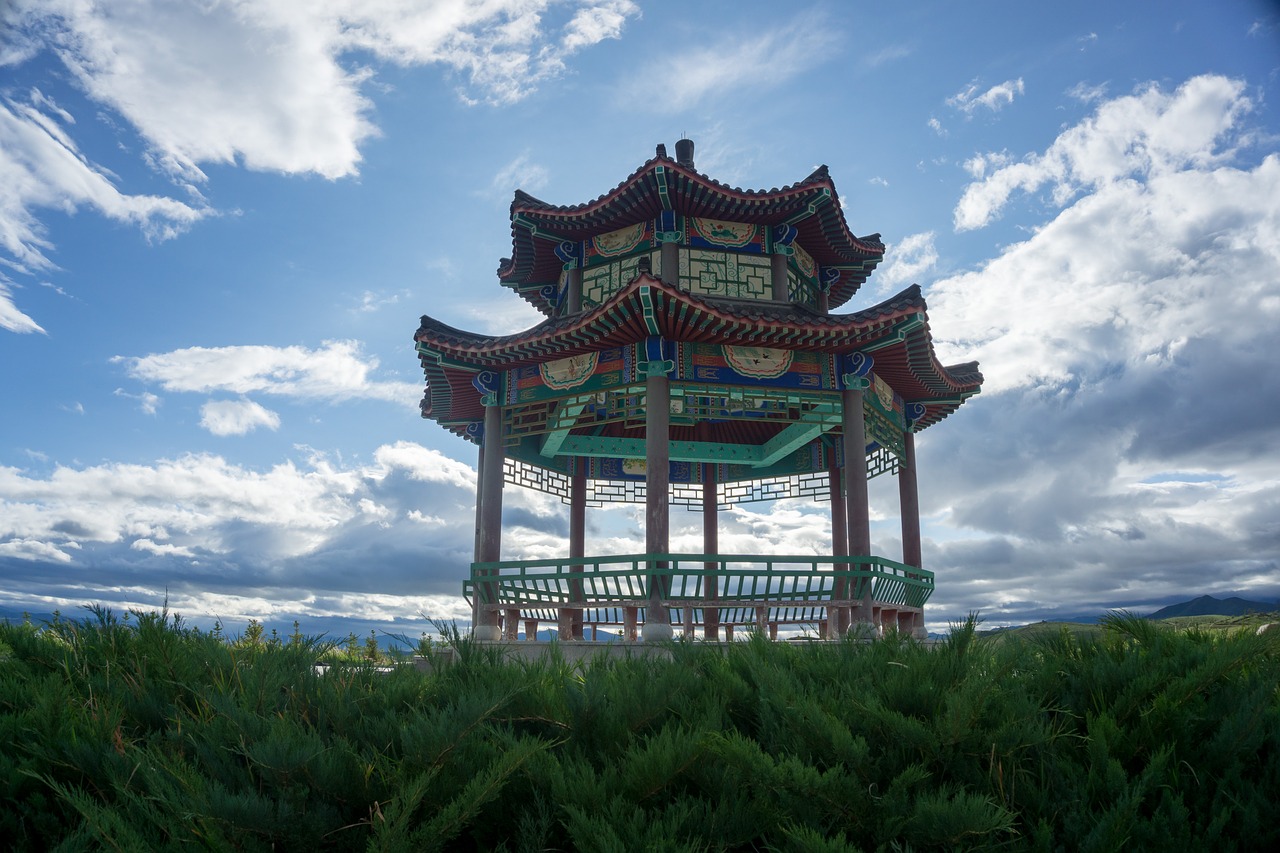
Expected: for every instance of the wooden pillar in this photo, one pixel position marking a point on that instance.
(857, 504)
(531, 630)
(577, 539)
(670, 257)
(573, 291)
(909, 498)
(839, 542)
(710, 546)
(489, 513)
(778, 270)
(657, 532)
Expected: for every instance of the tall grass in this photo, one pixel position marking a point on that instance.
(144, 734)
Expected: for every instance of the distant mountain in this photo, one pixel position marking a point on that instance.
(1207, 605)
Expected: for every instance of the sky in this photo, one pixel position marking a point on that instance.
(220, 222)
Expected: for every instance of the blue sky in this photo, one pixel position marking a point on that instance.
(219, 223)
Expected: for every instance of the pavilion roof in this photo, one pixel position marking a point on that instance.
(662, 183)
(896, 329)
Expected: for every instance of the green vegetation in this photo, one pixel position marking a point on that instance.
(144, 734)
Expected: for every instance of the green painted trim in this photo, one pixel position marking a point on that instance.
(522, 220)
(797, 435)
(779, 581)
(650, 316)
(678, 451)
(899, 335)
(566, 415)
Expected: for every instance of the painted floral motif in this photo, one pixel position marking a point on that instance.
(568, 372)
(729, 234)
(619, 242)
(758, 362)
(804, 261)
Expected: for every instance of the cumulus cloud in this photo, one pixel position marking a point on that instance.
(1118, 455)
(1148, 133)
(202, 527)
(336, 371)
(271, 85)
(968, 99)
(236, 417)
(909, 258)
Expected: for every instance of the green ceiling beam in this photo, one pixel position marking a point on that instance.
(679, 451)
(566, 415)
(797, 435)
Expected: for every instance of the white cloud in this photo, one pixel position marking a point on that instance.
(761, 60)
(33, 549)
(888, 53)
(521, 173)
(236, 417)
(266, 84)
(11, 317)
(315, 536)
(1086, 94)
(41, 168)
(1147, 133)
(1121, 453)
(936, 127)
(909, 259)
(338, 370)
(147, 401)
(998, 96)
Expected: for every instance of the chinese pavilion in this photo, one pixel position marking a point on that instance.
(692, 355)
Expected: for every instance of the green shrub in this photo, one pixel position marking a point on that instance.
(141, 733)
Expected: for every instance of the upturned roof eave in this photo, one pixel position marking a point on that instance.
(812, 202)
(689, 317)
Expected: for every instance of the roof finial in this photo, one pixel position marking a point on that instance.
(684, 153)
(662, 150)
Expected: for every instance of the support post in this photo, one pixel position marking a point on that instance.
(710, 545)
(857, 504)
(657, 623)
(573, 288)
(909, 498)
(577, 541)
(778, 271)
(839, 542)
(489, 512)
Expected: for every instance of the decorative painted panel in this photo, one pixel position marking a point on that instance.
(630, 240)
(717, 234)
(730, 274)
(777, 368)
(603, 280)
(585, 373)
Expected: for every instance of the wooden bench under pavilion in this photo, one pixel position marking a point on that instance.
(692, 356)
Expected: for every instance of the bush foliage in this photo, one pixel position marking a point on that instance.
(143, 734)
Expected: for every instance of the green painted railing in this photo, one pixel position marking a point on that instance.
(733, 581)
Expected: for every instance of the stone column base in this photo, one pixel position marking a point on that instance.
(655, 632)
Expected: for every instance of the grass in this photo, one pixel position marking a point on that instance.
(140, 733)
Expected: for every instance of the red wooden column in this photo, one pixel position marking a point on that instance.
(909, 498)
(489, 513)
(572, 627)
(857, 503)
(839, 538)
(657, 530)
(710, 545)
(781, 238)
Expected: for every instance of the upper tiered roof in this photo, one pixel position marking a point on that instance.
(811, 205)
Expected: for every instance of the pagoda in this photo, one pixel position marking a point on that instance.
(693, 355)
